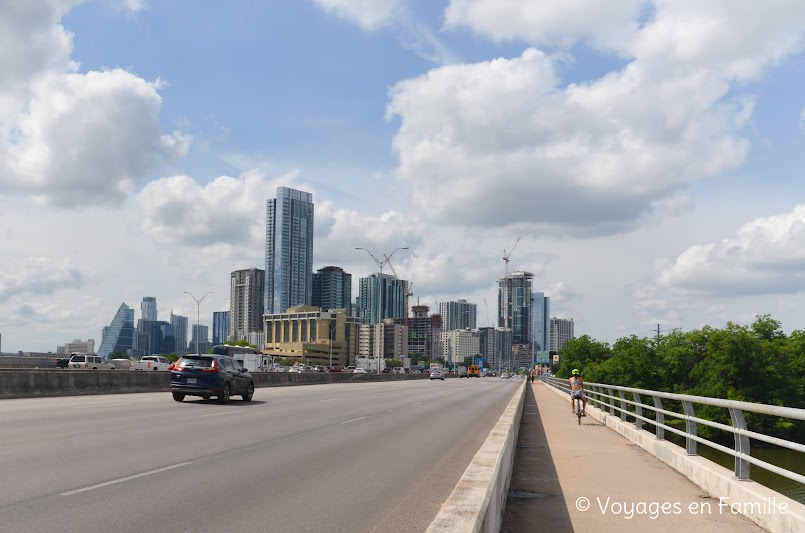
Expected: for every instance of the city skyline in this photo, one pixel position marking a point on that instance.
(641, 161)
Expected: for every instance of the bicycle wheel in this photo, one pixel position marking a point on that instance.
(578, 410)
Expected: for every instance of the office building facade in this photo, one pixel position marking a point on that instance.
(514, 305)
(289, 251)
(220, 325)
(148, 308)
(458, 315)
(179, 324)
(246, 300)
(461, 346)
(332, 288)
(307, 334)
(424, 332)
(495, 346)
(561, 330)
(541, 321)
(381, 296)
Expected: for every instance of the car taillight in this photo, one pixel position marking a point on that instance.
(213, 367)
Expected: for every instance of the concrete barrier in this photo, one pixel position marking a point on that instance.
(756, 502)
(25, 383)
(477, 502)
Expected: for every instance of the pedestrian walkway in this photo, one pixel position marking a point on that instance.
(571, 478)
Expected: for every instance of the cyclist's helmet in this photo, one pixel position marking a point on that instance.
(576, 372)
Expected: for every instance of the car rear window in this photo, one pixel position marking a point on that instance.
(77, 359)
(197, 362)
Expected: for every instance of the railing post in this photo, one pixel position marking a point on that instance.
(611, 401)
(741, 443)
(690, 428)
(623, 405)
(659, 418)
(638, 411)
(594, 397)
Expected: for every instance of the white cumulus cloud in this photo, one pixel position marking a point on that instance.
(766, 256)
(368, 14)
(66, 137)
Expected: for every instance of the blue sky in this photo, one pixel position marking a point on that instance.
(647, 152)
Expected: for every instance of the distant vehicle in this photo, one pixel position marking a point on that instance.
(462, 372)
(124, 364)
(349, 369)
(151, 362)
(321, 369)
(360, 370)
(62, 362)
(504, 375)
(89, 362)
(211, 375)
(437, 373)
(473, 372)
(231, 350)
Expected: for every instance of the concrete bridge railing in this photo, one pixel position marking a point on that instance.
(624, 409)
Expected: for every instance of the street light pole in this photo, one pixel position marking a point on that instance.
(380, 265)
(198, 314)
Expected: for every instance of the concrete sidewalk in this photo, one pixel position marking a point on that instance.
(571, 478)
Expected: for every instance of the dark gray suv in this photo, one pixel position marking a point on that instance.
(209, 375)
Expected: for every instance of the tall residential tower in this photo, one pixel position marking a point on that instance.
(289, 251)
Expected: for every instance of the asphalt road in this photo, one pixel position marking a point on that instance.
(365, 457)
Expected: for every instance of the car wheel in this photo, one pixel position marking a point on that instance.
(224, 396)
(249, 393)
(178, 396)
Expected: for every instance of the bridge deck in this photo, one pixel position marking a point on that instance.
(559, 463)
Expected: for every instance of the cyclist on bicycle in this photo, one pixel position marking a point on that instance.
(577, 391)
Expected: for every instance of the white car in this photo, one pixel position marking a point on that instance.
(360, 370)
(436, 374)
(505, 375)
(89, 362)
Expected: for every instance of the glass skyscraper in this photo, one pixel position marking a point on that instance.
(289, 251)
(149, 308)
(514, 306)
(391, 297)
(332, 288)
(541, 313)
(117, 336)
(220, 327)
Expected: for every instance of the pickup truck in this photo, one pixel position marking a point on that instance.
(151, 362)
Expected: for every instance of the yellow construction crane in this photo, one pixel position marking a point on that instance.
(406, 290)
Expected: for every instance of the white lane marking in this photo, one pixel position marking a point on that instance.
(121, 480)
(390, 410)
(99, 405)
(417, 403)
(330, 400)
(353, 420)
(223, 413)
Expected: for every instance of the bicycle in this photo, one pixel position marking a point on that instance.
(577, 408)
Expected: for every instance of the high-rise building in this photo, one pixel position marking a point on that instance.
(117, 336)
(148, 339)
(289, 251)
(514, 305)
(561, 330)
(332, 288)
(389, 339)
(179, 324)
(495, 345)
(424, 332)
(246, 292)
(541, 322)
(199, 339)
(460, 346)
(391, 297)
(458, 315)
(148, 307)
(220, 325)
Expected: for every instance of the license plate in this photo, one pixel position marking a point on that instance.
(191, 380)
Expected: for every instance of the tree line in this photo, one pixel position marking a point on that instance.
(757, 363)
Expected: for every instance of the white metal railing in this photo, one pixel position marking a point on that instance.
(604, 397)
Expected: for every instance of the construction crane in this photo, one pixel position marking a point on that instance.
(406, 290)
(506, 257)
